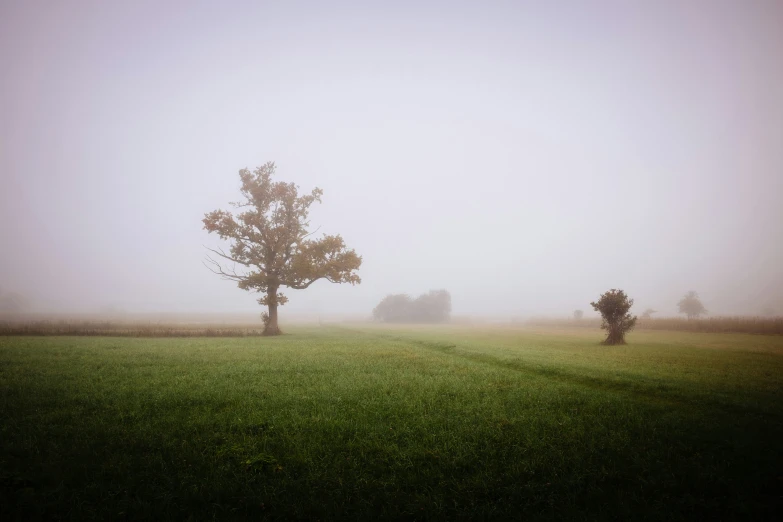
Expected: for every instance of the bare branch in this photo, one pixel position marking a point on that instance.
(225, 256)
(221, 272)
(310, 234)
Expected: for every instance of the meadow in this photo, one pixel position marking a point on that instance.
(390, 423)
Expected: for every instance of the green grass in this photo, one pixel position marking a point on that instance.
(394, 423)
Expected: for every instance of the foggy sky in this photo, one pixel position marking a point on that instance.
(526, 156)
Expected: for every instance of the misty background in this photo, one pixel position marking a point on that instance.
(525, 156)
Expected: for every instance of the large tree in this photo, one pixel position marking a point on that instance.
(271, 246)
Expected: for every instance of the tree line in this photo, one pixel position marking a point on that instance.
(273, 248)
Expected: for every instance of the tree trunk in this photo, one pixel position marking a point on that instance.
(616, 336)
(270, 325)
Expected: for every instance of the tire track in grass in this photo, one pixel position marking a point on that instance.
(651, 393)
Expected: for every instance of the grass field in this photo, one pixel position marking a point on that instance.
(393, 423)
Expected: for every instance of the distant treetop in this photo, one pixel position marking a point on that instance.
(691, 305)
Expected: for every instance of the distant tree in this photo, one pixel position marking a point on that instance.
(432, 307)
(691, 305)
(613, 307)
(647, 314)
(578, 314)
(271, 245)
(394, 308)
(13, 303)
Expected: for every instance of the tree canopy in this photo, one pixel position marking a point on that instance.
(432, 307)
(613, 307)
(691, 305)
(272, 246)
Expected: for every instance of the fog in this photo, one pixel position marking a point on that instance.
(525, 156)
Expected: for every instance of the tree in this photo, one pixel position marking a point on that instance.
(432, 307)
(578, 314)
(648, 313)
(613, 307)
(691, 305)
(394, 308)
(271, 243)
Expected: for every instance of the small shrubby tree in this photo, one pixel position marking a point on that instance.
(613, 307)
(578, 314)
(691, 305)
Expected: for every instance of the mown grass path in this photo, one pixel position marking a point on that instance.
(393, 423)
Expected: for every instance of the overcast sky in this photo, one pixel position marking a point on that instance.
(526, 156)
